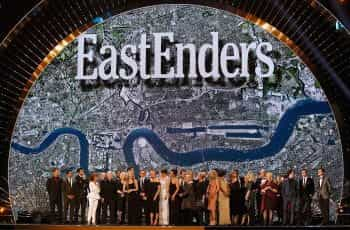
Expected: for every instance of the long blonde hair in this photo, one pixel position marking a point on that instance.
(250, 177)
(269, 175)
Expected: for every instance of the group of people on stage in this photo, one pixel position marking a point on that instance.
(187, 197)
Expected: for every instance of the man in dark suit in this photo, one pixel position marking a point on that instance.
(53, 187)
(143, 210)
(68, 197)
(324, 193)
(109, 198)
(80, 186)
(289, 194)
(306, 191)
(188, 197)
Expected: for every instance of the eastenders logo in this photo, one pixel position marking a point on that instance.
(134, 60)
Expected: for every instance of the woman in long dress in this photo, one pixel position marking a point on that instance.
(212, 196)
(164, 198)
(121, 198)
(223, 200)
(249, 197)
(175, 204)
(130, 189)
(269, 192)
(153, 191)
(236, 197)
(93, 198)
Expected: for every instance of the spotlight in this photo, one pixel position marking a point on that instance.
(2, 210)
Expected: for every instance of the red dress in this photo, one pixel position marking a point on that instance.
(269, 198)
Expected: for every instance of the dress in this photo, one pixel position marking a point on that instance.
(174, 206)
(164, 202)
(236, 198)
(132, 198)
(269, 199)
(153, 205)
(212, 193)
(224, 203)
(250, 202)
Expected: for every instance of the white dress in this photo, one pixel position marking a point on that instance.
(164, 202)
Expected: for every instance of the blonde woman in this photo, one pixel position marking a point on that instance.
(121, 197)
(212, 194)
(130, 189)
(223, 199)
(269, 191)
(249, 197)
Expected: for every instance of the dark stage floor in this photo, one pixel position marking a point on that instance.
(109, 227)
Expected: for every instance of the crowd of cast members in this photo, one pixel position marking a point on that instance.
(187, 198)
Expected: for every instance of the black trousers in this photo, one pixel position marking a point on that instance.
(143, 211)
(188, 217)
(174, 212)
(305, 215)
(68, 204)
(80, 204)
(53, 204)
(99, 212)
(109, 204)
(258, 219)
(324, 206)
(289, 211)
(201, 216)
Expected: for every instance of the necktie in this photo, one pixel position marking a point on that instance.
(304, 181)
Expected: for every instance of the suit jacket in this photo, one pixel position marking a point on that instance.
(80, 187)
(289, 189)
(188, 197)
(307, 190)
(53, 187)
(109, 190)
(143, 186)
(325, 190)
(67, 188)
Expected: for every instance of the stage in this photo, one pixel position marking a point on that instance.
(110, 227)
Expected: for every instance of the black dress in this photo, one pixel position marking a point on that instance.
(153, 205)
(174, 206)
(236, 199)
(132, 205)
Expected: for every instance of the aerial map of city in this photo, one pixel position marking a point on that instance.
(274, 123)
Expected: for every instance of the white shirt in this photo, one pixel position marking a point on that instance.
(94, 191)
(70, 181)
(304, 180)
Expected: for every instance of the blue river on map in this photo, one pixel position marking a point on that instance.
(279, 139)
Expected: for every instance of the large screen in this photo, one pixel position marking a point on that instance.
(172, 86)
